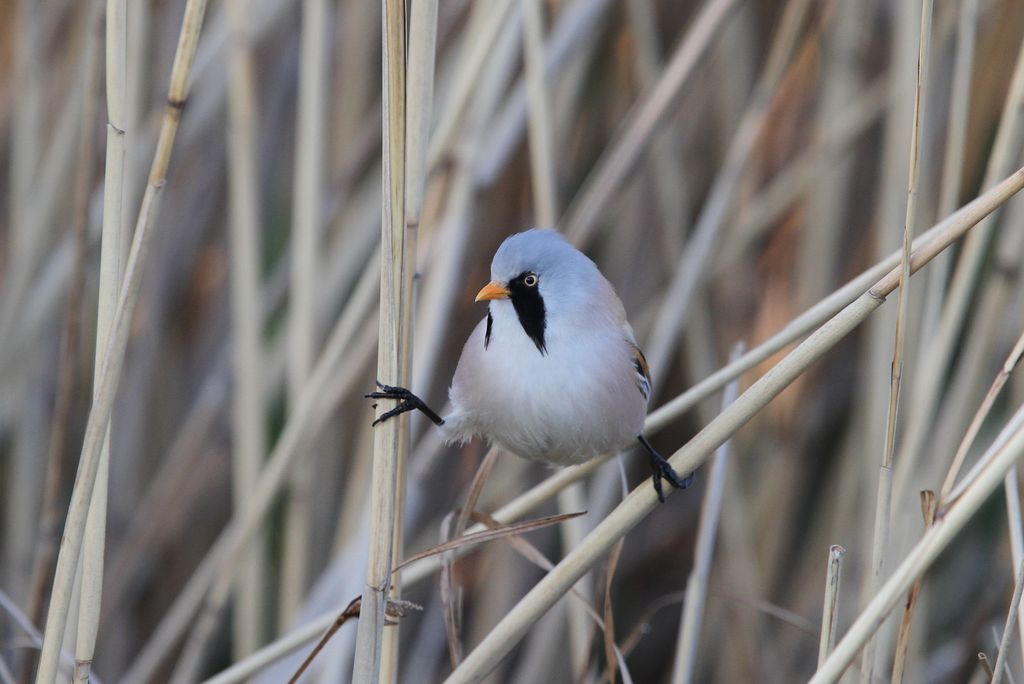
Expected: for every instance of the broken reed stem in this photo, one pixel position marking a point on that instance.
(113, 355)
(113, 247)
(247, 357)
(697, 584)
(1003, 456)
(833, 578)
(643, 499)
(395, 296)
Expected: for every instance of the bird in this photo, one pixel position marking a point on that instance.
(553, 373)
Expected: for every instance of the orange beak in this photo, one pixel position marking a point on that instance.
(492, 290)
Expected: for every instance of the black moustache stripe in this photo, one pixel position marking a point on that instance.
(490, 324)
(529, 306)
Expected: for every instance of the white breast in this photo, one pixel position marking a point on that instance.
(577, 401)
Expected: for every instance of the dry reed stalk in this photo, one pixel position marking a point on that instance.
(952, 162)
(395, 297)
(1002, 667)
(833, 577)
(357, 27)
(26, 142)
(764, 210)
(883, 503)
(925, 390)
(310, 133)
(943, 233)
(946, 336)
(929, 507)
(34, 218)
(1002, 455)
(113, 355)
(543, 176)
(621, 156)
(36, 639)
(68, 375)
(1015, 531)
(693, 265)
(667, 166)
(688, 640)
(979, 418)
(114, 246)
(343, 353)
(642, 500)
(138, 32)
(819, 246)
(542, 143)
(485, 26)
(247, 357)
(416, 118)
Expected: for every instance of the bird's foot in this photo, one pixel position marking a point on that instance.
(407, 401)
(662, 469)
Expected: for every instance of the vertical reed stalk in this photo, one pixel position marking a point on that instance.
(247, 356)
(113, 356)
(694, 262)
(884, 499)
(114, 246)
(697, 585)
(419, 101)
(394, 297)
(302, 340)
(642, 500)
(542, 143)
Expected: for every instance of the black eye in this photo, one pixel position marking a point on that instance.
(530, 280)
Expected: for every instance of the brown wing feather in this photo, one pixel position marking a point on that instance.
(643, 372)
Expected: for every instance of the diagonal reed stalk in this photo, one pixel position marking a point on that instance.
(1002, 456)
(658, 420)
(113, 354)
(643, 500)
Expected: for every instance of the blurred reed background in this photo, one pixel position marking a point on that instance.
(727, 163)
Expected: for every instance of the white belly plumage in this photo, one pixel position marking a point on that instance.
(567, 406)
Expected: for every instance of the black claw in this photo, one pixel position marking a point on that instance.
(407, 402)
(661, 468)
